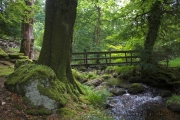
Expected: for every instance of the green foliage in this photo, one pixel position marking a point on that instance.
(78, 75)
(92, 75)
(173, 99)
(124, 69)
(148, 60)
(174, 62)
(96, 97)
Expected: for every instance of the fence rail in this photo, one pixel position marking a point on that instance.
(110, 58)
(117, 58)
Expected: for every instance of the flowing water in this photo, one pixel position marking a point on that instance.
(136, 107)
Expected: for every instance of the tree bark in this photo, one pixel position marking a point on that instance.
(27, 42)
(56, 48)
(154, 22)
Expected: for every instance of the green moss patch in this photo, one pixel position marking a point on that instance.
(15, 55)
(2, 53)
(136, 88)
(38, 112)
(22, 62)
(66, 113)
(6, 70)
(28, 72)
(39, 78)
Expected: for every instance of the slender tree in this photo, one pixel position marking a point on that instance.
(60, 17)
(27, 42)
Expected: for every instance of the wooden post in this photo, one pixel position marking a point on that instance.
(131, 58)
(86, 61)
(167, 60)
(106, 58)
(126, 57)
(110, 58)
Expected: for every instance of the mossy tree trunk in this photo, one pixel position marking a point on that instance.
(154, 22)
(56, 49)
(27, 42)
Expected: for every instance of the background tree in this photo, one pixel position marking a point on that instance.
(11, 13)
(60, 16)
(27, 42)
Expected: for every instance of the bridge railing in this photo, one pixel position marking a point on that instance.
(113, 58)
(110, 58)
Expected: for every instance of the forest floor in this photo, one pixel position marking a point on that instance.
(12, 106)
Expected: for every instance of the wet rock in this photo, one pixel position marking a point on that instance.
(105, 84)
(95, 82)
(106, 76)
(84, 80)
(174, 106)
(165, 93)
(173, 103)
(117, 91)
(115, 75)
(136, 88)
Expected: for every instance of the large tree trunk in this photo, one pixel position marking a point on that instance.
(56, 47)
(27, 42)
(154, 22)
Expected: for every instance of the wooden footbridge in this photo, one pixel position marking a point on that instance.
(109, 58)
(113, 58)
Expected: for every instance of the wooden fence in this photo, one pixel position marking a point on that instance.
(110, 58)
(117, 58)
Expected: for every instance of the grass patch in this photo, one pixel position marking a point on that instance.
(175, 62)
(172, 63)
(174, 99)
(96, 98)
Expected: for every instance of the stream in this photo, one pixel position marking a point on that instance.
(144, 106)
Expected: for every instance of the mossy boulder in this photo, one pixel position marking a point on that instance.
(3, 54)
(173, 103)
(136, 88)
(15, 55)
(20, 62)
(117, 91)
(95, 82)
(39, 84)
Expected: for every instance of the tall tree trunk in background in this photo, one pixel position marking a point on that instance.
(154, 22)
(56, 47)
(98, 31)
(27, 42)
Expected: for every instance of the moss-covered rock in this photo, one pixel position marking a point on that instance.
(3, 54)
(66, 113)
(117, 91)
(39, 84)
(173, 103)
(38, 112)
(23, 57)
(20, 62)
(136, 88)
(15, 55)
